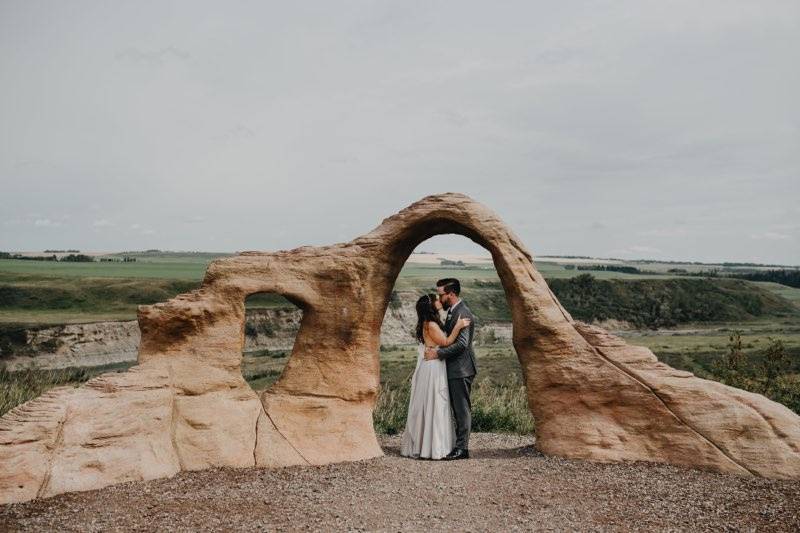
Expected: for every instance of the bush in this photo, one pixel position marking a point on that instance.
(770, 375)
(78, 258)
(487, 336)
(252, 329)
(266, 328)
(394, 301)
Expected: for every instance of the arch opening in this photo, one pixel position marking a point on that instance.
(499, 396)
(269, 330)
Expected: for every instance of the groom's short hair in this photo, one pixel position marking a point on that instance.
(450, 285)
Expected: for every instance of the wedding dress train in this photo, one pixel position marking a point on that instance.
(429, 431)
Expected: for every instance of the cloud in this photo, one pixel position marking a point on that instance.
(665, 232)
(151, 58)
(46, 223)
(770, 236)
(239, 132)
(454, 117)
(102, 223)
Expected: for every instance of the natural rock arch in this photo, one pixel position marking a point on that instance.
(185, 406)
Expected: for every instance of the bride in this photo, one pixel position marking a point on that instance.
(429, 432)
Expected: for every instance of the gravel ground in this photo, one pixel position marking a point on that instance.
(507, 485)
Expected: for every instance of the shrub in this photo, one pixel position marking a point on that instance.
(488, 336)
(266, 328)
(78, 258)
(770, 375)
(394, 301)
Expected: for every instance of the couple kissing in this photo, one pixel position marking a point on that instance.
(442, 379)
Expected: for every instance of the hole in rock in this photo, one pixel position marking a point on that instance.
(499, 399)
(270, 327)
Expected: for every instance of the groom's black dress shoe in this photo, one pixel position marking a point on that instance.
(457, 453)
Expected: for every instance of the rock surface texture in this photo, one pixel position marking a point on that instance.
(185, 406)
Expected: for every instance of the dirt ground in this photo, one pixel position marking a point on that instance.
(506, 485)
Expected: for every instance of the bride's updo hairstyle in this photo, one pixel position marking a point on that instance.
(426, 312)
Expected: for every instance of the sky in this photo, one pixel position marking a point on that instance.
(629, 129)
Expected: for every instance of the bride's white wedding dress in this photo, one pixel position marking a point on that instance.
(429, 431)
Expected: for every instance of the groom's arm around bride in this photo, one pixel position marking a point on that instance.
(459, 356)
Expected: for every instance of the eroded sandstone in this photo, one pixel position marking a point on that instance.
(186, 406)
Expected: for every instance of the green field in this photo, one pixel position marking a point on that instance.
(192, 267)
(168, 268)
(47, 292)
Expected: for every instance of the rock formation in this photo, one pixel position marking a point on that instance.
(185, 406)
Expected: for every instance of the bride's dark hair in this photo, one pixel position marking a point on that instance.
(426, 312)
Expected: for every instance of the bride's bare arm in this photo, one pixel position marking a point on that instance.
(436, 334)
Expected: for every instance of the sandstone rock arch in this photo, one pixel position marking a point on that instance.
(185, 406)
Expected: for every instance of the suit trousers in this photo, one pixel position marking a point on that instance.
(460, 389)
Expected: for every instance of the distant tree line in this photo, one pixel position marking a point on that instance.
(615, 268)
(7, 255)
(788, 277)
(62, 251)
(71, 258)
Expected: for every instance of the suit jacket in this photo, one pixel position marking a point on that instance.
(459, 356)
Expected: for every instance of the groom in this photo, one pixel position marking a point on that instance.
(460, 360)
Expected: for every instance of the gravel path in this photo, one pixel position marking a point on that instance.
(507, 485)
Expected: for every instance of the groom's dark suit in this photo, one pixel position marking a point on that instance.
(461, 370)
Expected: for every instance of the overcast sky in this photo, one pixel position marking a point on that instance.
(630, 129)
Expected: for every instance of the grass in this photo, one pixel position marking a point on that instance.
(790, 293)
(168, 269)
(34, 299)
(496, 408)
